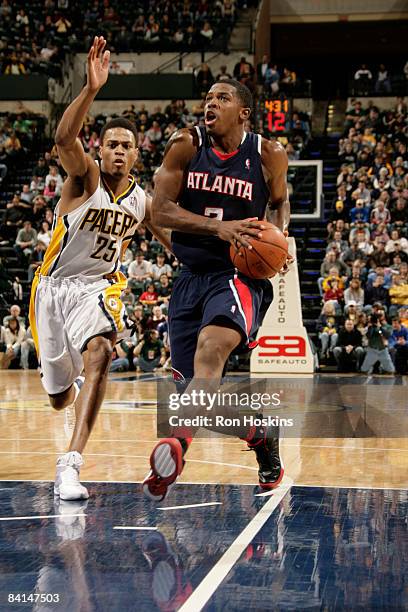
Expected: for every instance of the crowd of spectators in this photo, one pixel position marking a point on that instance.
(34, 36)
(364, 276)
(28, 217)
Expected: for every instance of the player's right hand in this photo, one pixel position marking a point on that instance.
(97, 64)
(238, 232)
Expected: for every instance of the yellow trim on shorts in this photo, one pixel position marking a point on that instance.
(31, 314)
(111, 298)
(54, 247)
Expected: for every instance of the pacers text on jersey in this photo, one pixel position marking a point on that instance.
(107, 221)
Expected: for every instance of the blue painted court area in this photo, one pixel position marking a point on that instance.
(300, 549)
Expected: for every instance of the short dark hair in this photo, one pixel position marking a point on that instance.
(17, 322)
(242, 92)
(119, 122)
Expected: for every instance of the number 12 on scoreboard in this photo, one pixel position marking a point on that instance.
(276, 121)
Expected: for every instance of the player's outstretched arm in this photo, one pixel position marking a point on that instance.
(70, 150)
(275, 163)
(169, 182)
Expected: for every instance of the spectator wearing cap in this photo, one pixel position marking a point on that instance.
(362, 193)
(359, 212)
(398, 346)
(339, 213)
(349, 352)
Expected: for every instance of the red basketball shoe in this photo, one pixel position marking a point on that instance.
(166, 462)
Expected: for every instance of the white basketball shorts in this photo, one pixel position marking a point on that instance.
(65, 314)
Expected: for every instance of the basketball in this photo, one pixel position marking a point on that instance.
(267, 256)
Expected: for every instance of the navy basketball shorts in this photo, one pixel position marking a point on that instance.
(197, 300)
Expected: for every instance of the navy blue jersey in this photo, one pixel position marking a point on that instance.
(226, 186)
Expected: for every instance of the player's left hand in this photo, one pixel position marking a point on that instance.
(289, 259)
(97, 64)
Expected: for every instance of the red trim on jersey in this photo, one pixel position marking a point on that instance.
(224, 156)
(245, 298)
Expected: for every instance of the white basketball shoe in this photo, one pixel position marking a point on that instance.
(67, 484)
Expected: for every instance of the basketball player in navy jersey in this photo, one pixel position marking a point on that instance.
(215, 187)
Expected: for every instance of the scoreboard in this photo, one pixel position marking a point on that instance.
(276, 113)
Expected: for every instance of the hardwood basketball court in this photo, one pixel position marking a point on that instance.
(333, 535)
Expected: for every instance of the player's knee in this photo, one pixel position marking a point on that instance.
(60, 400)
(212, 350)
(99, 354)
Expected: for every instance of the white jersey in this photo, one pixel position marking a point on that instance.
(87, 242)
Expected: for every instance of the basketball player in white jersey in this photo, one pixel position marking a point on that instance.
(76, 313)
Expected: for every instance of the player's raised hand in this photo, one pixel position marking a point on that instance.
(97, 64)
(238, 232)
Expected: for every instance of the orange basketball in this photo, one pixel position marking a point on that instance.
(267, 256)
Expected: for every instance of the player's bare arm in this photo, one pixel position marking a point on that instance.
(163, 235)
(275, 165)
(83, 173)
(169, 183)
